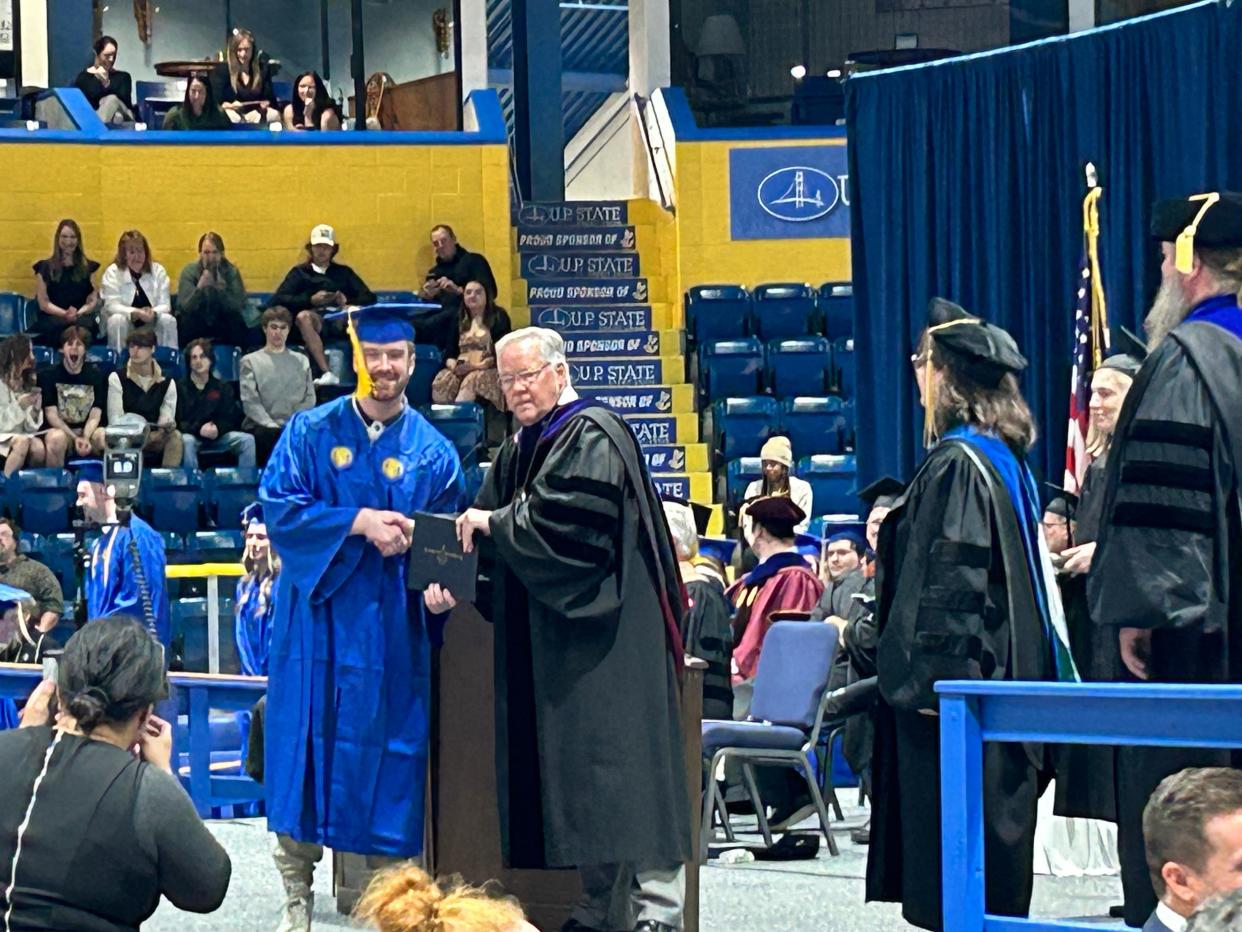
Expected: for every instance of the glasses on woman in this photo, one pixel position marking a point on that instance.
(525, 377)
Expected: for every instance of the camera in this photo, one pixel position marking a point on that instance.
(122, 459)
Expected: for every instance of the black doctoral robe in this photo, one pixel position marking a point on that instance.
(954, 601)
(583, 591)
(1169, 556)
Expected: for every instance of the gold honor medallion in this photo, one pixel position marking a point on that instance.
(393, 468)
(341, 457)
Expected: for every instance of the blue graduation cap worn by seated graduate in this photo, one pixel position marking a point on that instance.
(379, 323)
(252, 514)
(852, 534)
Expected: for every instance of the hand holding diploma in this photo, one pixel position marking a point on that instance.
(471, 520)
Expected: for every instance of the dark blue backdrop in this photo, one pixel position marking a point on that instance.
(966, 181)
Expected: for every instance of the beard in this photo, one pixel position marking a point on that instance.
(1169, 309)
(385, 390)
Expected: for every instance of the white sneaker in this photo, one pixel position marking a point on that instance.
(328, 378)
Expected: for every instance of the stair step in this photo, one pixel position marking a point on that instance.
(695, 487)
(674, 458)
(574, 213)
(627, 372)
(575, 266)
(598, 291)
(654, 399)
(575, 238)
(573, 318)
(663, 430)
(583, 344)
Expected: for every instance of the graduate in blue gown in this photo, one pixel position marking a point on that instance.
(347, 718)
(255, 598)
(116, 584)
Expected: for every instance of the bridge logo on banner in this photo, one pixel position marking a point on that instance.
(790, 192)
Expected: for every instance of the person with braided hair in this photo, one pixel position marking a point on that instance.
(406, 898)
(94, 826)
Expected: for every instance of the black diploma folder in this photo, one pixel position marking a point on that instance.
(436, 557)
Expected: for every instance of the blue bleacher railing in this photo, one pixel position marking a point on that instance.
(972, 712)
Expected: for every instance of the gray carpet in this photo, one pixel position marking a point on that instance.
(824, 894)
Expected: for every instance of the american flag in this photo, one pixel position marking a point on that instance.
(1076, 458)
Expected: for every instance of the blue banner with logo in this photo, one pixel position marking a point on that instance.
(620, 343)
(568, 318)
(789, 192)
(653, 400)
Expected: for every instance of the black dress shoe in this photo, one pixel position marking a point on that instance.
(573, 925)
(650, 925)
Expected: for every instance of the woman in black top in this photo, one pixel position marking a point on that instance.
(108, 90)
(94, 827)
(243, 85)
(312, 108)
(63, 288)
(198, 110)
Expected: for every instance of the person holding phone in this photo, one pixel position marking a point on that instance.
(211, 298)
(94, 825)
(21, 406)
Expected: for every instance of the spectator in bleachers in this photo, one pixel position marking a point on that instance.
(143, 389)
(135, 293)
(211, 297)
(312, 107)
(21, 407)
(777, 458)
(256, 594)
(275, 384)
(74, 393)
(208, 415)
(469, 372)
(843, 576)
(445, 285)
(198, 109)
(1192, 827)
(318, 285)
(20, 641)
(242, 83)
(108, 90)
(405, 898)
(17, 569)
(63, 287)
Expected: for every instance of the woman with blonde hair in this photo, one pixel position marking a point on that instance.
(242, 83)
(405, 898)
(21, 406)
(135, 291)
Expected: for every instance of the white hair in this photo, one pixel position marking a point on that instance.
(550, 343)
(682, 529)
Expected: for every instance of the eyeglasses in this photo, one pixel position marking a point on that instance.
(525, 377)
(1051, 524)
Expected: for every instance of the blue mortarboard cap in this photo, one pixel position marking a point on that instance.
(88, 470)
(719, 548)
(251, 514)
(853, 536)
(808, 545)
(384, 323)
(11, 595)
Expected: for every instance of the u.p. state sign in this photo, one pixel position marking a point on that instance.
(789, 192)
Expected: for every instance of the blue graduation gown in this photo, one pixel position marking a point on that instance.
(349, 665)
(253, 628)
(112, 586)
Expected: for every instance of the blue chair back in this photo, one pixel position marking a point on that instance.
(740, 473)
(169, 359)
(731, 368)
(42, 500)
(226, 362)
(395, 297)
(55, 551)
(227, 490)
(427, 362)
(220, 544)
(814, 423)
(799, 366)
(460, 423)
(843, 363)
(717, 312)
(793, 673)
(189, 620)
(783, 310)
(12, 313)
(173, 541)
(102, 356)
(832, 479)
(44, 356)
(741, 425)
(836, 309)
(172, 497)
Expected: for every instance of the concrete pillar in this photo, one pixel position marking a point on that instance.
(473, 32)
(538, 125)
(649, 46)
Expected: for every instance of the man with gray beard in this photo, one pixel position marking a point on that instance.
(1167, 568)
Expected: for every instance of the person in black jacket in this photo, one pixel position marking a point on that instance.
(109, 91)
(318, 285)
(242, 84)
(445, 285)
(208, 415)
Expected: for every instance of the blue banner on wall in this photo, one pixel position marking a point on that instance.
(789, 192)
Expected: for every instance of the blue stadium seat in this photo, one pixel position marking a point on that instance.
(174, 542)
(226, 491)
(741, 425)
(55, 551)
(460, 423)
(831, 479)
(219, 545)
(847, 411)
(102, 356)
(258, 299)
(12, 313)
(152, 113)
(783, 310)
(731, 368)
(42, 500)
(227, 362)
(427, 361)
(171, 363)
(740, 473)
(396, 297)
(717, 312)
(843, 363)
(836, 309)
(799, 366)
(44, 356)
(189, 620)
(172, 497)
(814, 424)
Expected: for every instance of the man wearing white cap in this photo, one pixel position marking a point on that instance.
(777, 458)
(318, 285)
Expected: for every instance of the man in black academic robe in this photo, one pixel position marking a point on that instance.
(586, 600)
(1168, 563)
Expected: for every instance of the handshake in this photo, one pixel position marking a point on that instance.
(391, 532)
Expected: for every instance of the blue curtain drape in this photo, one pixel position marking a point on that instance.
(966, 180)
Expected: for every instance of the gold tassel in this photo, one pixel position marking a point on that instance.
(1099, 311)
(360, 363)
(1184, 256)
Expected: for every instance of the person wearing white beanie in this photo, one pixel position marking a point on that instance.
(777, 457)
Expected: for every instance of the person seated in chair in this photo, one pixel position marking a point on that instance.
(73, 393)
(211, 297)
(312, 107)
(107, 90)
(469, 372)
(198, 110)
(143, 389)
(207, 412)
(842, 574)
(445, 285)
(135, 293)
(64, 291)
(275, 384)
(21, 407)
(242, 83)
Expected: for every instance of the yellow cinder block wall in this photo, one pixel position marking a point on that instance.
(263, 200)
(708, 254)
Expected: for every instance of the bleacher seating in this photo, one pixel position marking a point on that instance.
(427, 361)
(226, 491)
(396, 297)
(189, 622)
(41, 500)
(221, 545)
(741, 425)
(814, 424)
(226, 362)
(460, 423)
(169, 359)
(740, 473)
(836, 309)
(55, 551)
(799, 366)
(102, 356)
(12, 313)
(717, 312)
(731, 368)
(832, 480)
(172, 498)
(783, 310)
(43, 356)
(843, 364)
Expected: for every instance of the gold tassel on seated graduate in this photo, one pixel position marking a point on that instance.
(360, 363)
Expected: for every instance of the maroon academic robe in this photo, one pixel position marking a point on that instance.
(781, 583)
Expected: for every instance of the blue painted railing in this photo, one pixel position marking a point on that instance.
(204, 693)
(971, 712)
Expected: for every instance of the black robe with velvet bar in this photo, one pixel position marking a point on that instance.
(583, 589)
(1169, 555)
